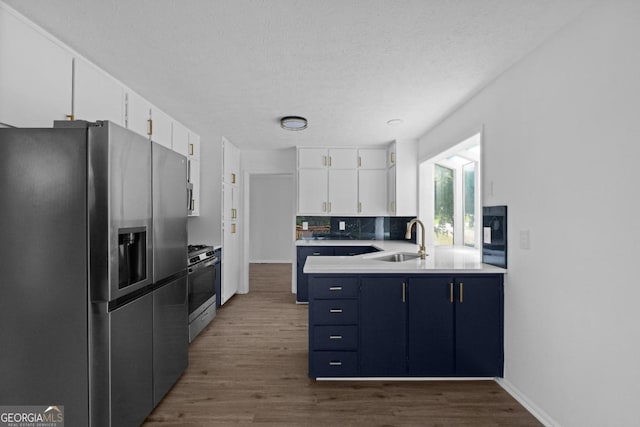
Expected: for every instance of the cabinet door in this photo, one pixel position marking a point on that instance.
(194, 172)
(97, 96)
(230, 163)
(138, 114)
(231, 261)
(228, 213)
(312, 158)
(194, 146)
(383, 321)
(372, 192)
(35, 76)
(343, 158)
(372, 158)
(180, 138)
(312, 191)
(161, 127)
(431, 343)
(391, 197)
(343, 191)
(302, 285)
(479, 330)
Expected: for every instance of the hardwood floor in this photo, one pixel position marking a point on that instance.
(249, 367)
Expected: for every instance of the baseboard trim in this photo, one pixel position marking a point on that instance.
(534, 409)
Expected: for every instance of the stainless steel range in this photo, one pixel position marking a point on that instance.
(202, 266)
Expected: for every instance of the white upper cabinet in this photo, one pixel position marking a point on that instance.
(312, 158)
(148, 120)
(334, 158)
(343, 158)
(372, 191)
(35, 75)
(343, 192)
(194, 146)
(96, 95)
(312, 191)
(161, 127)
(180, 138)
(138, 117)
(372, 158)
(403, 178)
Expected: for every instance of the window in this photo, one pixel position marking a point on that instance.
(469, 202)
(443, 202)
(450, 199)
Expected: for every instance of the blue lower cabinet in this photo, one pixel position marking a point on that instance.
(423, 325)
(333, 364)
(383, 327)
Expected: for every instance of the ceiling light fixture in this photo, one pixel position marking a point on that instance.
(293, 123)
(395, 122)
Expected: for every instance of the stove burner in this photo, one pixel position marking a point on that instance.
(193, 248)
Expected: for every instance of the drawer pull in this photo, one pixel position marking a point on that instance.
(335, 310)
(316, 253)
(335, 288)
(335, 363)
(335, 337)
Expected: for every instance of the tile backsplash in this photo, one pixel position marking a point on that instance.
(355, 228)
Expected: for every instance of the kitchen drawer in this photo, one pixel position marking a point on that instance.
(333, 287)
(333, 312)
(303, 253)
(333, 364)
(335, 337)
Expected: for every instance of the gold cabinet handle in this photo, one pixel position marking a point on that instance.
(335, 288)
(149, 127)
(393, 157)
(70, 117)
(233, 178)
(451, 292)
(191, 149)
(233, 228)
(359, 161)
(329, 161)
(335, 310)
(404, 292)
(359, 207)
(324, 160)
(461, 291)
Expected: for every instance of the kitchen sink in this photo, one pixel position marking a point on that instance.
(398, 257)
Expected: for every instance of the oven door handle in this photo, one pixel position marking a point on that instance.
(208, 263)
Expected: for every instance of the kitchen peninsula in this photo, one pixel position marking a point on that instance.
(391, 314)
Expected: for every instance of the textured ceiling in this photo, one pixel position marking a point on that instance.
(234, 67)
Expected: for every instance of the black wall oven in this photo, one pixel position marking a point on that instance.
(203, 264)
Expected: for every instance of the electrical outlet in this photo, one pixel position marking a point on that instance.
(305, 225)
(342, 225)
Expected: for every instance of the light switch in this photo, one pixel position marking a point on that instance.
(342, 225)
(525, 242)
(305, 225)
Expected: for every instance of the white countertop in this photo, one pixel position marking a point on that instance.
(440, 259)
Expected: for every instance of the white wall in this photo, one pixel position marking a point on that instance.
(272, 202)
(560, 147)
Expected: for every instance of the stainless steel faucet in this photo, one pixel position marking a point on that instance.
(422, 251)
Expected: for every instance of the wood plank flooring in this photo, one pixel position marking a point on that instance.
(249, 367)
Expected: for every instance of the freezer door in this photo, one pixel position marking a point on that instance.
(169, 186)
(119, 207)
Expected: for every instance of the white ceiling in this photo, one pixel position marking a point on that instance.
(234, 67)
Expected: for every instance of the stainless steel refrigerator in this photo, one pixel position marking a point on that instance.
(78, 293)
